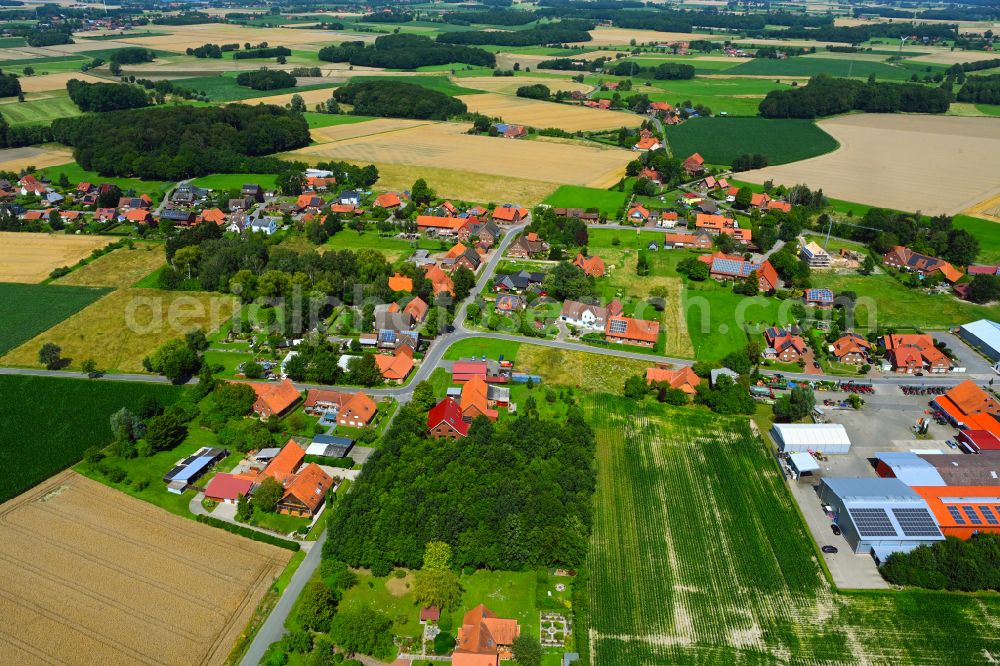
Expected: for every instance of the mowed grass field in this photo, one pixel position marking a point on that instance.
(31, 257)
(29, 309)
(574, 196)
(593, 372)
(119, 269)
(699, 557)
(734, 96)
(96, 576)
(810, 66)
(720, 140)
(122, 328)
(39, 111)
(48, 422)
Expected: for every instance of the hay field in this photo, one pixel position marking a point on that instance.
(122, 328)
(48, 82)
(310, 97)
(503, 84)
(15, 159)
(96, 576)
(447, 146)
(120, 269)
(334, 133)
(28, 257)
(883, 161)
(191, 36)
(949, 57)
(464, 185)
(624, 36)
(537, 113)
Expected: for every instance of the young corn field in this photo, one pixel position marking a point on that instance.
(699, 557)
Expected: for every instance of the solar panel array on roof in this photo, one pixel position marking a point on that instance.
(916, 522)
(619, 326)
(731, 267)
(819, 295)
(872, 522)
(193, 469)
(988, 515)
(970, 513)
(956, 515)
(387, 335)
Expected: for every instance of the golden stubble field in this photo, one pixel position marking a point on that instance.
(192, 36)
(448, 146)
(120, 268)
(310, 97)
(31, 257)
(94, 576)
(49, 82)
(125, 326)
(934, 164)
(540, 114)
(15, 159)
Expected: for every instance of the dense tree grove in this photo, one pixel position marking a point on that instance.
(263, 52)
(206, 51)
(491, 17)
(183, 141)
(668, 71)
(981, 90)
(405, 52)
(825, 96)
(951, 564)
(47, 38)
(546, 33)
(509, 496)
(266, 79)
(132, 55)
(105, 96)
(535, 91)
(396, 99)
(10, 85)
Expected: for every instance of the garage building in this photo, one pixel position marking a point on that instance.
(811, 437)
(880, 516)
(983, 335)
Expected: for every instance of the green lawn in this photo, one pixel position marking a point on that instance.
(228, 360)
(716, 318)
(28, 309)
(48, 423)
(577, 196)
(720, 140)
(988, 234)
(989, 109)
(492, 349)
(277, 522)
(77, 174)
(441, 84)
(799, 66)
(223, 88)
(348, 239)
(39, 111)
(317, 120)
(235, 181)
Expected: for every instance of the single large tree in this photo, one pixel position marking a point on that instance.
(267, 495)
(50, 355)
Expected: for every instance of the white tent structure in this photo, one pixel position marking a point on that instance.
(806, 437)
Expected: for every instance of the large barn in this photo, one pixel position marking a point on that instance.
(814, 437)
(984, 335)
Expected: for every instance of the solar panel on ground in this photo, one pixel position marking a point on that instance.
(873, 522)
(970, 512)
(988, 515)
(956, 515)
(916, 522)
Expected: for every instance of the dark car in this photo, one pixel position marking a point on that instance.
(815, 364)
(829, 549)
(836, 528)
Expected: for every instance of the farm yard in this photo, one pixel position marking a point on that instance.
(94, 572)
(28, 309)
(541, 114)
(122, 328)
(698, 556)
(120, 268)
(446, 145)
(720, 140)
(31, 257)
(877, 154)
(49, 422)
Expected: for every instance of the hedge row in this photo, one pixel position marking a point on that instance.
(249, 533)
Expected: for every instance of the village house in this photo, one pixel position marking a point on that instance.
(182, 218)
(903, 258)
(305, 492)
(814, 255)
(321, 401)
(309, 202)
(780, 206)
(105, 214)
(680, 378)
(528, 246)
(440, 281)
(128, 203)
(239, 204)
(592, 266)
(444, 420)
(509, 303)
(818, 298)
(694, 165)
(907, 353)
(417, 309)
(187, 194)
(509, 131)
(586, 315)
(460, 255)
(713, 224)
(390, 317)
(784, 345)
(626, 330)
(733, 267)
(473, 227)
(228, 488)
(638, 214)
(274, 399)
(139, 216)
(578, 213)
(659, 107)
(29, 185)
(652, 175)
(517, 282)
(388, 201)
(396, 367)
(253, 192)
(212, 215)
(667, 219)
(699, 241)
(508, 214)
(349, 198)
(646, 144)
(440, 224)
(358, 411)
(851, 348)
(476, 400)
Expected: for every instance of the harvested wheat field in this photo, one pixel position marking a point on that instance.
(988, 209)
(120, 268)
(125, 326)
(536, 113)
(503, 84)
(883, 161)
(310, 97)
(95, 576)
(28, 257)
(949, 57)
(335, 133)
(447, 146)
(624, 36)
(48, 82)
(16, 159)
(464, 185)
(192, 36)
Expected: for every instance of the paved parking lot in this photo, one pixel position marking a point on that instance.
(965, 356)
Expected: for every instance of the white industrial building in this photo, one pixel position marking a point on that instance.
(811, 437)
(983, 335)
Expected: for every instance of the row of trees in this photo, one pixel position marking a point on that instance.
(668, 71)
(183, 141)
(548, 33)
(405, 52)
(263, 52)
(105, 96)
(825, 96)
(951, 564)
(396, 99)
(981, 90)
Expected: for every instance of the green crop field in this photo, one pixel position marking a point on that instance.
(577, 196)
(989, 109)
(699, 557)
(77, 174)
(28, 309)
(48, 423)
(799, 66)
(720, 140)
(234, 181)
(317, 120)
(39, 111)
(223, 88)
(11, 42)
(441, 84)
(988, 234)
(734, 96)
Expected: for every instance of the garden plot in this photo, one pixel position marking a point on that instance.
(16, 159)
(448, 146)
(96, 576)
(540, 114)
(878, 157)
(698, 556)
(29, 257)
